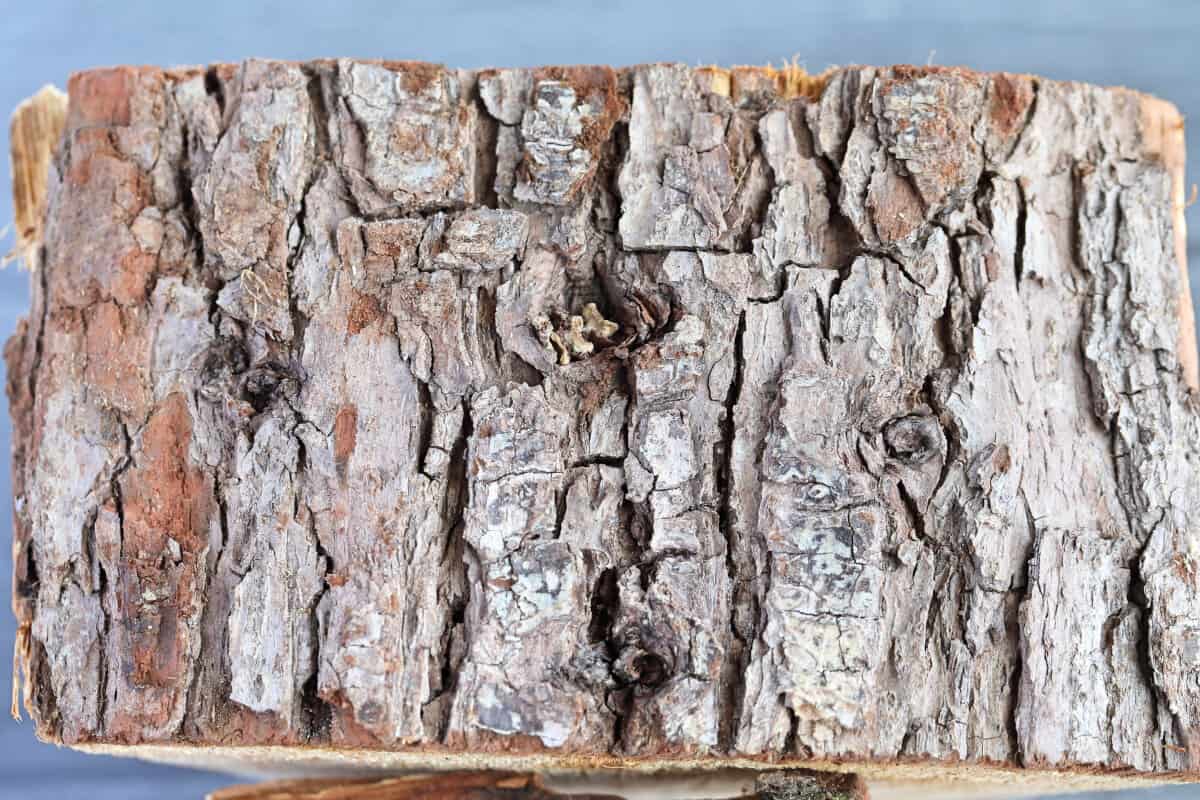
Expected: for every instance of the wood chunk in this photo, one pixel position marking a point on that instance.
(377, 414)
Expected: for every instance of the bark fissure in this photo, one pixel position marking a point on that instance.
(1022, 221)
(736, 660)
(455, 554)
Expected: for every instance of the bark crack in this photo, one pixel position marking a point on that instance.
(1022, 222)
(738, 656)
(456, 575)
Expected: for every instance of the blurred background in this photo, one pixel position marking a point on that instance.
(1148, 46)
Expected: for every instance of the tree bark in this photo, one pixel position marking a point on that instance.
(613, 417)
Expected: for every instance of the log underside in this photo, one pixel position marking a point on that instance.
(571, 416)
(646, 779)
(476, 785)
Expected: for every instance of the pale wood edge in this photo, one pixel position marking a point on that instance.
(35, 127)
(634, 778)
(34, 130)
(1163, 138)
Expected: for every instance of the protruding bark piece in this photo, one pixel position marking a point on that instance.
(386, 414)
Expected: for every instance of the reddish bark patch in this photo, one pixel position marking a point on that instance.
(598, 87)
(345, 437)
(937, 124)
(895, 205)
(114, 351)
(416, 76)
(363, 311)
(345, 729)
(914, 71)
(101, 96)
(1008, 104)
(164, 497)
(106, 193)
(392, 238)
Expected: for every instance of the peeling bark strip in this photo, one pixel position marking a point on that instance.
(623, 414)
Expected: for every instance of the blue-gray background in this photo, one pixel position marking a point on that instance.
(1150, 46)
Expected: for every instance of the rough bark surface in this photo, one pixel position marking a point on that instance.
(651, 413)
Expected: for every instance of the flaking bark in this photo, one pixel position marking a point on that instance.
(644, 413)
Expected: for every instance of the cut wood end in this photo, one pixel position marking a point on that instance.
(789, 81)
(36, 126)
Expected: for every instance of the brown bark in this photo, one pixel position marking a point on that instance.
(612, 418)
